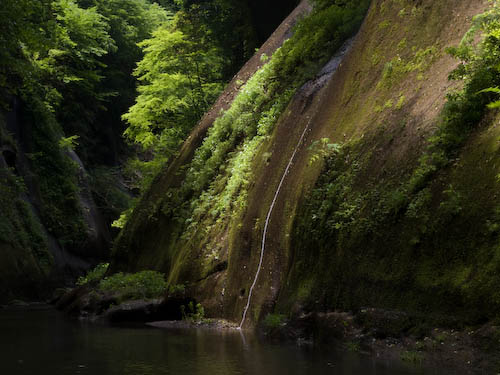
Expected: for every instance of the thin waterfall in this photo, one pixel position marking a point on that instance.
(308, 88)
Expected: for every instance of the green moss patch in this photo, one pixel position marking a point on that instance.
(420, 238)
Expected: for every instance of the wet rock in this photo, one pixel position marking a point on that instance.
(134, 311)
(72, 301)
(98, 237)
(18, 303)
(320, 328)
(58, 294)
(487, 338)
(24, 305)
(382, 323)
(335, 326)
(206, 323)
(89, 303)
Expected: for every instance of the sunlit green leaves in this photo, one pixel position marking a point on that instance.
(81, 38)
(180, 77)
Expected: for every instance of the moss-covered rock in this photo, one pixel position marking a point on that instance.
(50, 230)
(368, 214)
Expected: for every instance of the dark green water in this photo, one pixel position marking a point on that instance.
(46, 342)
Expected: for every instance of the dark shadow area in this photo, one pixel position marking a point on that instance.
(267, 15)
(10, 159)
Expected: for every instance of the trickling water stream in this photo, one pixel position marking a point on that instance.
(308, 89)
(268, 217)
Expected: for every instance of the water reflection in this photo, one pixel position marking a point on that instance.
(46, 342)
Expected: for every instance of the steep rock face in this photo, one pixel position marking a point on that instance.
(344, 232)
(360, 237)
(34, 255)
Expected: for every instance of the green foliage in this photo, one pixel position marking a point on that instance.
(26, 26)
(479, 69)
(193, 313)
(176, 289)
(130, 22)
(321, 149)
(412, 357)
(110, 192)
(122, 219)
(231, 28)
(67, 72)
(81, 38)
(400, 102)
(140, 285)
(51, 46)
(272, 321)
(66, 59)
(93, 276)
(318, 36)
(353, 346)
(480, 63)
(18, 225)
(180, 78)
(69, 143)
(186, 64)
(398, 67)
(82, 56)
(57, 175)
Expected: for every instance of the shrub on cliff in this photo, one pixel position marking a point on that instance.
(140, 285)
(94, 275)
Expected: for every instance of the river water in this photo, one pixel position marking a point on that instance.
(44, 341)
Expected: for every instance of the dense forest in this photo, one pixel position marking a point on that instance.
(96, 96)
(296, 166)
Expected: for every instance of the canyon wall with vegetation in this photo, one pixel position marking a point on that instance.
(351, 163)
(390, 196)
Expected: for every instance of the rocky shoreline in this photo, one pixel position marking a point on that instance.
(392, 335)
(383, 334)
